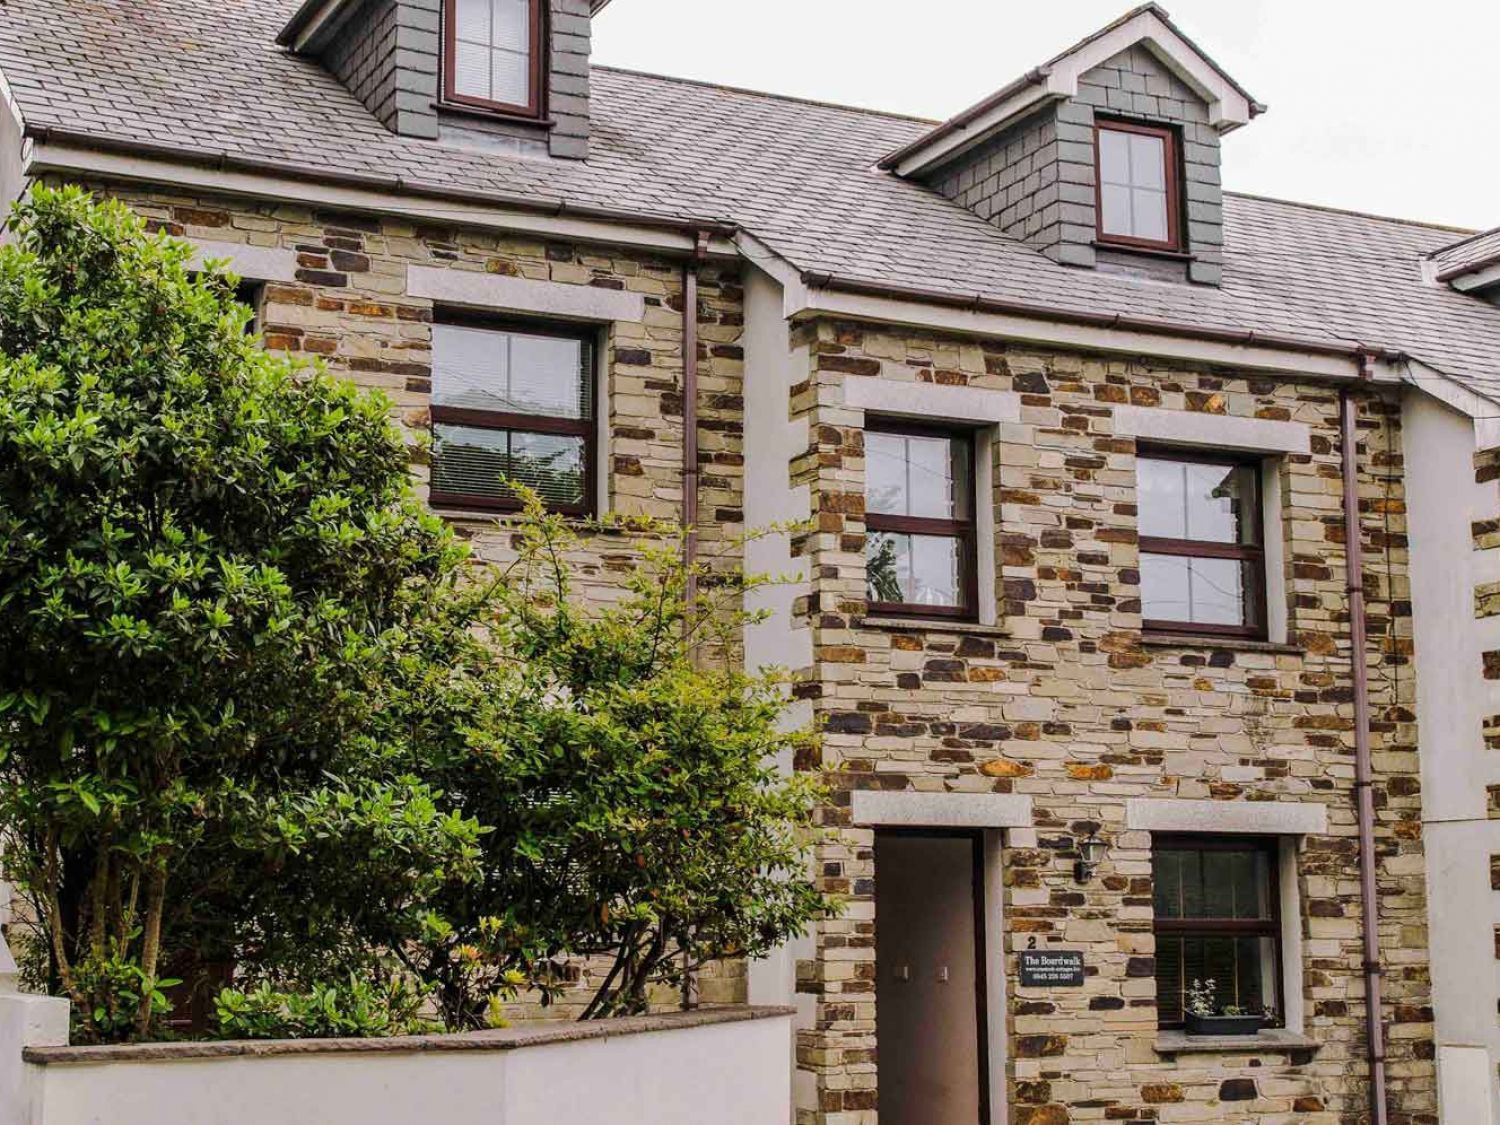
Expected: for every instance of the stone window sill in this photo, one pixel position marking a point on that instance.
(1181, 1043)
(931, 625)
(1233, 644)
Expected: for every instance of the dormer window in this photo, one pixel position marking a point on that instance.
(493, 55)
(1137, 185)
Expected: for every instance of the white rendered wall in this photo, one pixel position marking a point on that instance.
(1452, 699)
(732, 1073)
(772, 439)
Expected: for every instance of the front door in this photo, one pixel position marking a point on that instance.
(929, 1002)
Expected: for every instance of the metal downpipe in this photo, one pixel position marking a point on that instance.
(1363, 771)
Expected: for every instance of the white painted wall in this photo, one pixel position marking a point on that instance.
(1452, 700)
(729, 1073)
(12, 166)
(772, 368)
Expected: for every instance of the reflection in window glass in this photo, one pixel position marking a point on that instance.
(923, 570)
(469, 461)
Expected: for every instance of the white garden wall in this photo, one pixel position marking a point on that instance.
(730, 1066)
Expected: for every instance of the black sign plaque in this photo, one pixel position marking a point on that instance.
(1061, 968)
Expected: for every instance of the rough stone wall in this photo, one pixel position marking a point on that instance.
(1037, 181)
(349, 309)
(387, 55)
(1073, 709)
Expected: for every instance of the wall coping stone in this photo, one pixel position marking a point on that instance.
(535, 1034)
(1264, 818)
(880, 808)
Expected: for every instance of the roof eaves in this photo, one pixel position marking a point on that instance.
(978, 302)
(221, 160)
(1034, 77)
(314, 23)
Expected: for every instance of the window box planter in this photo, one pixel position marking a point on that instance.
(1224, 1025)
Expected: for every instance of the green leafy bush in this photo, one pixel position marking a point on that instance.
(210, 563)
(354, 1010)
(630, 783)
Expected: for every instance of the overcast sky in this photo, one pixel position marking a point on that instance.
(1387, 106)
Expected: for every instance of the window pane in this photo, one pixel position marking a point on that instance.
(471, 70)
(1208, 502)
(913, 569)
(513, 25)
(885, 474)
(1220, 503)
(1116, 209)
(1162, 499)
(1148, 162)
(549, 464)
(1166, 884)
(1114, 157)
(1212, 883)
(547, 376)
(512, 372)
(915, 475)
(1200, 591)
(1148, 213)
(512, 78)
(473, 22)
(469, 461)
(930, 477)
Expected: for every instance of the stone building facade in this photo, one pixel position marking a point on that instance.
(1068, 704)
(860, 275)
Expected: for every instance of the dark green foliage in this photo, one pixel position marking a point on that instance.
(208, 564)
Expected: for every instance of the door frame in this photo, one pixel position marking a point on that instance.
(989, 979)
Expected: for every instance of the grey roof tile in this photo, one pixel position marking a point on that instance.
(206, 75)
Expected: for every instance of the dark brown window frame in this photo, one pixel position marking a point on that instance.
(1173, 179)
(1253, 554)
(536, 103)
(586, 428)
(1235, 927)
(965, 531)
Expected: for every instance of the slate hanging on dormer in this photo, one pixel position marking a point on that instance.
(511, 76)
(1105, 157)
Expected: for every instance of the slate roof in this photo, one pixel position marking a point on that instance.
(205, 76)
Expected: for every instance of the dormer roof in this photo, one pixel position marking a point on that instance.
(316, 22)
(1230, 105)
(1470, 264)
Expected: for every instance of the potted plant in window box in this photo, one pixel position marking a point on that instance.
(1205, 1017)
